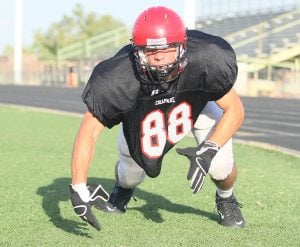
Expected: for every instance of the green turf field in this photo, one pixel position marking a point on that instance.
(36, 211)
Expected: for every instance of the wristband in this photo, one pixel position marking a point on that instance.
(213, 145)
(82, 191)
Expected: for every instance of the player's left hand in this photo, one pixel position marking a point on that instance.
(84, 209)
(200, 161)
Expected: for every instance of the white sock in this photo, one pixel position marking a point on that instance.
(82, 190)
(225, 193)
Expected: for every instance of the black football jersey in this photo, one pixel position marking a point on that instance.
(152, 125)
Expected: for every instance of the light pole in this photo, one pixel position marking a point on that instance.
(18, 47)
(189, 13)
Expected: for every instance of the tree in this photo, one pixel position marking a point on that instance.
(71, 29)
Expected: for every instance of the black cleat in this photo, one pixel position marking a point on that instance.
(229, 211)
(118, 200)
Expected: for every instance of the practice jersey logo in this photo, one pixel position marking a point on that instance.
(154, 92)
(165, 101)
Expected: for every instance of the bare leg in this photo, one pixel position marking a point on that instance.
(228, 182)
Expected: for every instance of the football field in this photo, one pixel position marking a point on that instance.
(35, 154)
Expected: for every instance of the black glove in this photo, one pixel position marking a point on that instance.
(200, 160)
(83, 209)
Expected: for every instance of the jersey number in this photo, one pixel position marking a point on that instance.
(154, 133)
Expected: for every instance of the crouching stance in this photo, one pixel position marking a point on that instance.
(165, 84)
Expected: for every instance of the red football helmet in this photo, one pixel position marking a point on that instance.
(159, 28)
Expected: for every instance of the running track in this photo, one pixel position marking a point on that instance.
(274, 123)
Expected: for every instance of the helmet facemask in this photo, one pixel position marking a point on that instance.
(160, 76)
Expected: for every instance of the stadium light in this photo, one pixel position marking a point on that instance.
(189, 13)
(18, 53)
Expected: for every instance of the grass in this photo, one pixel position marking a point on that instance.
(36, 210)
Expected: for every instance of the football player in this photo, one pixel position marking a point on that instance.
(166, 83)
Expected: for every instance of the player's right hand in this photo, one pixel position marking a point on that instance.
(84, 208)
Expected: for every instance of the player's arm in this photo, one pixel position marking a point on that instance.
(83, 197)
(200, 157)
(231, 120)
(84, 146)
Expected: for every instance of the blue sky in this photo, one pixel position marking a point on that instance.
(42, 13)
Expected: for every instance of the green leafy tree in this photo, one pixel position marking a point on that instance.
(70, 29)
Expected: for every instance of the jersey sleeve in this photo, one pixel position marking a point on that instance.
(222, 69)
(111, 90)
(212, 64)
(96, 101)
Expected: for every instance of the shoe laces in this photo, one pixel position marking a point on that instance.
(229, 207)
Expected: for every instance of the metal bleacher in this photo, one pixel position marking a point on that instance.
(223, 26)
(252, 36)
(259, 35)
(267, 47)
(99, 46)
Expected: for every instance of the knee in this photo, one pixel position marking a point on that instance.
(130, 175)
(223, 163)
(220, 168)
